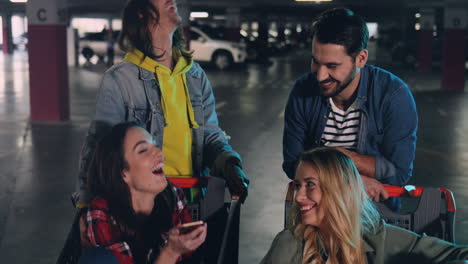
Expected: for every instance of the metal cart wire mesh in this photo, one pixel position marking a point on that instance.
(433, 210)
(211, 204)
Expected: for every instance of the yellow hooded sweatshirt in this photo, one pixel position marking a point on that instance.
(177, 110)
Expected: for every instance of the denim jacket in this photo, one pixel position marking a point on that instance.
(387, 129)
(131, 93)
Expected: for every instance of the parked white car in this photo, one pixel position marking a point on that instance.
(221, 53)
(96, 44)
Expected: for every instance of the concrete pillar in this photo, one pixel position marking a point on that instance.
(280, 27)
(453, 56)
(72, 47)
(427, 22)
(233, 24)
(263, 27)
(183, 6)
(110, 41)
(294, 33)
(48, 68)
(7, 43)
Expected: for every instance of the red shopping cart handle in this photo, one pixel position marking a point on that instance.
(194, 183)
(397, 191)
(189, 182)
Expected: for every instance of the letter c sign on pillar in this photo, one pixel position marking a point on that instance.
(42, 14)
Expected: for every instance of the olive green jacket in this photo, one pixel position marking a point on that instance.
(390, 244)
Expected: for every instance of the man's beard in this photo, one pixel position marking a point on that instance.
(341, 87)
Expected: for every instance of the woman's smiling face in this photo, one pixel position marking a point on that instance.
(145, 162)
(308, 194)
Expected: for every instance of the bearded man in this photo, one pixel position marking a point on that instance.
(364, 111)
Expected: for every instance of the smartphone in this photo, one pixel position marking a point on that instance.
(189, 227)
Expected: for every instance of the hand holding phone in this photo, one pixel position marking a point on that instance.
(185, 238)
(189, 227)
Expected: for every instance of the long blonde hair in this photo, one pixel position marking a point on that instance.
(348, 212)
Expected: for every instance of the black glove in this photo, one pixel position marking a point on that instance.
(236, 180)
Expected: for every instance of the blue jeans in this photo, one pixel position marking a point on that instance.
(98, 255)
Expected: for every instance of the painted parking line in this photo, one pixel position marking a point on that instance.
(442, 112)
(281, 115)
(220, 105)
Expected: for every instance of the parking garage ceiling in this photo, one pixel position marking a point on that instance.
(112, 5)
(290, 7)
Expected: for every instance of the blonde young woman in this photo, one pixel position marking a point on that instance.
(334, 221)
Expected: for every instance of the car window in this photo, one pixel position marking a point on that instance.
(94, 36)
(214, 33)
(194, 35)
(100, 36)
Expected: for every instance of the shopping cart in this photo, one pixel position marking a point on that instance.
(212, 204)
(432, 213)
(433, 210)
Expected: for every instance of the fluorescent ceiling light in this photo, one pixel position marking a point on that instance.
(417, 26)
(199, 14)
(18, 1)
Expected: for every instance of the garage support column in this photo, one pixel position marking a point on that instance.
(48, 70)
(280, 27)
(426, 37)
(233, 24)
(183, 7)
(7, 43)
(453, 56)
(263, 27)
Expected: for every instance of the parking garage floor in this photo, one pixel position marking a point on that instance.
(39, 160)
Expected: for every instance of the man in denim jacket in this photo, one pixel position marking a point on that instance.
(364, 111)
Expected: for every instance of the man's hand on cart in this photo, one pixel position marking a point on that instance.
(375, 190)
(236, 180)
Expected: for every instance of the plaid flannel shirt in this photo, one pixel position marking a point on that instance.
(103, 231)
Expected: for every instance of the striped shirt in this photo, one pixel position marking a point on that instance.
(342, 127)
